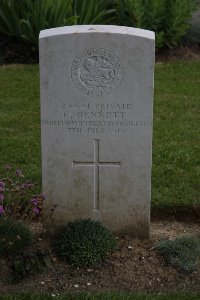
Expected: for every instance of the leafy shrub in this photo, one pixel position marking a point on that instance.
(182, 252)
(14, 236)
(24, 19)
(168, 18)
(85, 243)
(93, 11)
(32, 263)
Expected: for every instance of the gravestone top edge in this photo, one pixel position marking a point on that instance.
(113, 29)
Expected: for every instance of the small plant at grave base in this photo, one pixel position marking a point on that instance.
(14, 236)
(32, 263)
(18, 200)
(182, 252)
(85, 243)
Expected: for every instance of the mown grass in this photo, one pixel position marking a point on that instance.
(176, 158)
(20, 119)
(176, 168)
(99, 297)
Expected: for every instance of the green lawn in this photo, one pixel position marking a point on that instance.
(100, 297)
(176, 154)
(176, 168)
(20, 119)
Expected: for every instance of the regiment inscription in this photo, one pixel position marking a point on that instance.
(90, 118)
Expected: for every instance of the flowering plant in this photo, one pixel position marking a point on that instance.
(18, 197)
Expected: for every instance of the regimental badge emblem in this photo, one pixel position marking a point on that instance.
(97, 73)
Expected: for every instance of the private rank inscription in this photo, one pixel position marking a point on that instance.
(98, 118)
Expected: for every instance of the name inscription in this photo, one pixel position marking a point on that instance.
(91, 118)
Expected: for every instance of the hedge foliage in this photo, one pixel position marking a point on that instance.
(169, 19)
(24, 19)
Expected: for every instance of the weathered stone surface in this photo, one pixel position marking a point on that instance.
(96, 119)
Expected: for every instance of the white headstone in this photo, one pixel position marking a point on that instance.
(96, 119)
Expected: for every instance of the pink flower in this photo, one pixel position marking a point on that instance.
(34, 201)
(2, 211)
(2, 184)
(19, 173)
(36, 210)
(1, 197)
(23, 186)
(29, 185)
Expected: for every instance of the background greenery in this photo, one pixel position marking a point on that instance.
(167, 18)
(99, 297)
(23, 19)
(176, 160)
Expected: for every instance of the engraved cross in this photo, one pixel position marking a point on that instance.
(96, 164)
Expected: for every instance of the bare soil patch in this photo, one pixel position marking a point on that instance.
(134, 267)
